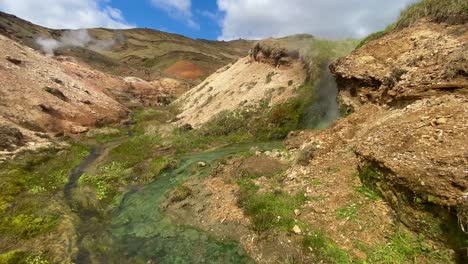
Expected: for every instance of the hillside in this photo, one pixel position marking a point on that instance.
(143, 53)
(303, 150)
(275, 72)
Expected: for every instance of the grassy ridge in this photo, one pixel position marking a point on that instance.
(439, 11)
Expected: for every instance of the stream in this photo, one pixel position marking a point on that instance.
(139, 232)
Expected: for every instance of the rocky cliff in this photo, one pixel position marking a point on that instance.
(405, 136)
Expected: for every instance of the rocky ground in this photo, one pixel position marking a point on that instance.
(394, 166)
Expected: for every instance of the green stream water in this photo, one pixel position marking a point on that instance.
(144, 234)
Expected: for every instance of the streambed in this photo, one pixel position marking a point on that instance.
(139, 232)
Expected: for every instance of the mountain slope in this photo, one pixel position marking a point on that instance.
(144, 53)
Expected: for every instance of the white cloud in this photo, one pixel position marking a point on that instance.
(324, 18)
(72, 14)
(178, 9)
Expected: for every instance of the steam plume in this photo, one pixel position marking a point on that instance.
(75, 38)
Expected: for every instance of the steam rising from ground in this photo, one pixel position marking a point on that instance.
(325, 109)
(75, 38)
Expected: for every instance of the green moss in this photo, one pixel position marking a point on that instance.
(324, 248)
(152, 116)
(21, 257)
(107, 180)
(346, 110)
(181, 193)
(108, 137)
(135, 150)
(29, 184)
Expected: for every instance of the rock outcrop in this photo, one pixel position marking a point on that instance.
(417, 62)
(409, 94)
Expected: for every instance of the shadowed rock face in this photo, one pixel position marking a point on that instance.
(10, 138)
(422, 61)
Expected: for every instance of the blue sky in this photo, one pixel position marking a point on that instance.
(143, 13)
(217, 19)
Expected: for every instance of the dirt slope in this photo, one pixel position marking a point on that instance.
(37, 95)
(242, 84)
(41, 97)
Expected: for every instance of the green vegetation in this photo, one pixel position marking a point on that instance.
(181, 193)
(107, 134)
(404, 247)
(268, 211)
(29, 184)
(269, 77)
(375, 36)
(148, 119)
(349, 212)
(370, 175)
(439, 11)
(367, 192)
(21, 257)
(325, 249)
(135, 150)
(107, 180)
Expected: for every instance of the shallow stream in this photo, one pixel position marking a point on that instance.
(141, 233)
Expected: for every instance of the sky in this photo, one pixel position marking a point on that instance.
(216, 19)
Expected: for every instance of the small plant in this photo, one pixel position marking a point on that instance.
(269, 77)
(324, 248)
(367, 192)
(107, 181)
(316, 182)
(349, 212)
(181, 193)
(269, 210)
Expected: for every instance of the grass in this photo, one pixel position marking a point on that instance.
(269, 211)
(349, 212)
(367, 192)
(136, 150)
(402, 246)
(438, 11)
(325, 249)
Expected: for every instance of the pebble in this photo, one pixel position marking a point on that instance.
(297, 230)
